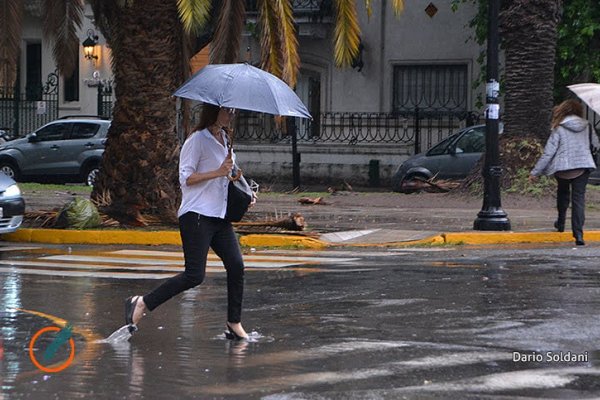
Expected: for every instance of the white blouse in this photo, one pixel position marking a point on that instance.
(202, 153)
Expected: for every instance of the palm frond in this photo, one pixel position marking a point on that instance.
(226, 43)
(398, 6)
(194, 14)
(270, 39)
(369, 7)
(289, 41)
(62, 19)
(11, 24)
(346, 33)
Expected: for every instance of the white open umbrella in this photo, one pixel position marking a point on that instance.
(244, 87)
(589, 93)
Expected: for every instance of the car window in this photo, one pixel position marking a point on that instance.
(441, 147)
(82, 130)
(472, 141)
(53, 132)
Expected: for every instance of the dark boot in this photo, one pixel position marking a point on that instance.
(559, 225)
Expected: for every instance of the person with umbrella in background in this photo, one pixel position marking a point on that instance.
(568, 156)
(204, 166)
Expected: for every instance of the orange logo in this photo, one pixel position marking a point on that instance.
(63, 335)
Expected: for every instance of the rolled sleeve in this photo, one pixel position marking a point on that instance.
(188, 160)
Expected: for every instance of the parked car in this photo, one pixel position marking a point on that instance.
(66, 148)
(12, 205)
(452, 158)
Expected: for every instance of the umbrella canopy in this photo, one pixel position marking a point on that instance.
(589, 93)
(244, 87)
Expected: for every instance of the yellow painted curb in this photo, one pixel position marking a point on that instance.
(432, 240)
(61, 236)
(514, 237)
(257, 240)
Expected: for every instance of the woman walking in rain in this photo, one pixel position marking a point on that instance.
(568, 157)
(204, 165)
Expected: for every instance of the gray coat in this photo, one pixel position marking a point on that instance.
(568, 147)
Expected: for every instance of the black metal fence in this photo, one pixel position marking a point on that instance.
(105, 99)
(22, 112)
(413, 128)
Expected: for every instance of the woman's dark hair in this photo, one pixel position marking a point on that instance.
(564, 109)
(208, 116)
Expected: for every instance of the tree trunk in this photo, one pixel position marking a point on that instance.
(139, 172)
(529, 35)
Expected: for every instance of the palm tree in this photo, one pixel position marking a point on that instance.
(529, 34)
(150, 42)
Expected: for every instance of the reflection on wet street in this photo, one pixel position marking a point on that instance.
(456, 323)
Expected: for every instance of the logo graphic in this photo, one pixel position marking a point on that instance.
(63, 336)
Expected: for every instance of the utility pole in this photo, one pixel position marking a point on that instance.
(492, 217)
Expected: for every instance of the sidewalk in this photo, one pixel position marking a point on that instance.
(361, 219)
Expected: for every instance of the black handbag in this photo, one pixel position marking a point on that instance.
(239, 192)
(239, 197)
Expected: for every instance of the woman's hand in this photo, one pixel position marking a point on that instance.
(226, 167)
(532, 178)
(254, 198)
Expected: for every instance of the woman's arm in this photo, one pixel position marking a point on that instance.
(223, 170)
(549, 151)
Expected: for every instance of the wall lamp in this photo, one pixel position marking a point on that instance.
(89, 44)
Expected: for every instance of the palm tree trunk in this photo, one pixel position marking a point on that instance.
(529, 34)
(139, 172)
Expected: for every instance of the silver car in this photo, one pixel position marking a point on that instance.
(65, 148)
(12, 205)
(452, 158)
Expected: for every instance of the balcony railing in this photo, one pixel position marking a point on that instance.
(318, 8)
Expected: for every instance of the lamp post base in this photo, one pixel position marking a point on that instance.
(492, 219)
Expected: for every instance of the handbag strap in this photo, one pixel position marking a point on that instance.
(238, 170)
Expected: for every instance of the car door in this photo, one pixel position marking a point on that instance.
(81, 140)
(463, 154)
(43, 152)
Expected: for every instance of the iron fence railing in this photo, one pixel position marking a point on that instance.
(23, 111)
(321, 8)
(419, 129)
(105, 99)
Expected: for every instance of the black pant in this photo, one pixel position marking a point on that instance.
(198, 233)
(573, 190)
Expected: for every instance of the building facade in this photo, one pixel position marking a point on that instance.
(411, 85)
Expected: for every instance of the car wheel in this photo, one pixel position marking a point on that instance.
(10, 169)
(90, 174)
(407, 184)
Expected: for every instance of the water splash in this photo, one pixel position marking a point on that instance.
(121, 335)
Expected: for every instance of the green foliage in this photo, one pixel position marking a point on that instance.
(540, 187)
(578, 47)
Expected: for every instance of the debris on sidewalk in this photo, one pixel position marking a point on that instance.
(430, 185)
(293, 223)
(316, 200)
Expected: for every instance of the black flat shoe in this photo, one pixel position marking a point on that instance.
(231, 335)
(579, 242)
(559, 227)
(130, 304)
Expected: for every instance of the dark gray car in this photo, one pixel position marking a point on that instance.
(64, 148)
(452, 158)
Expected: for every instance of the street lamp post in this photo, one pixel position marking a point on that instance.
(492, 217)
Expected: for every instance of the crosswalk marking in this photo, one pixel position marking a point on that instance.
(152, 264)
(294, 259)
(142, 261)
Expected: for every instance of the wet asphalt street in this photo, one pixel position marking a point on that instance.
(426, 323)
